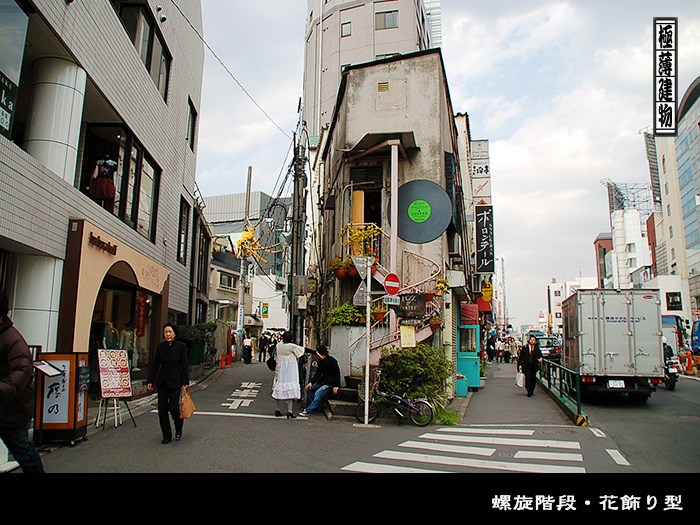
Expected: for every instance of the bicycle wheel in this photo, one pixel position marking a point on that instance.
(209, 361)
(423, 415)
(371, 414)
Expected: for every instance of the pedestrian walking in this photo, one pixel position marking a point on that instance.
(247, 350)
(286, 386)
(16, 393)
(529, 363)
(264, 345)
(325, 379)
(169, 372)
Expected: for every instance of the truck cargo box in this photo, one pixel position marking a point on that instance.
(613, 339)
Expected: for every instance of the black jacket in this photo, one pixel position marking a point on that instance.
(530, 360)
(16, 377)
(327, 372)
(170, 365)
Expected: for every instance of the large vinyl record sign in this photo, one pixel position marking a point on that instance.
(425, 211)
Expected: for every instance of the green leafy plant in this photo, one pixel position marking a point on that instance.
(427, 366)
(345, 314)
(446, 417)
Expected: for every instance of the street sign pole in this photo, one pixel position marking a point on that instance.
(369, 262)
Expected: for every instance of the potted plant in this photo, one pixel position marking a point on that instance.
(350, 265)
(379, 311)
(435, 322)
(339, 267)
(345, 314)
(360, 238)
(442, 285)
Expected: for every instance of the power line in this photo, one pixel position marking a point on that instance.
(228, 71)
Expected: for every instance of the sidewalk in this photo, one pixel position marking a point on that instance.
(502, 402)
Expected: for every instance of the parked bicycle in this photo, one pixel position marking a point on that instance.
(209, 353)
(419, 410)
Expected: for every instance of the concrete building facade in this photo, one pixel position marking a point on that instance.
(345, 32)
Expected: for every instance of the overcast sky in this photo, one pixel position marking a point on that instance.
(560, 89)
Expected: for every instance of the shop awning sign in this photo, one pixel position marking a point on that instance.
(115, 378)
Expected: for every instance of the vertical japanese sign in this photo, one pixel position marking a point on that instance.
(485, 260)
(56, 395)
(665, 72)
(141, 314)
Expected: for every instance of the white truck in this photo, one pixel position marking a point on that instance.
(613, 340)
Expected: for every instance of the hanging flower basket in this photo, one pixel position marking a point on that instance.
(435, 322)
(379, 314)
(339, 267)
(429, 296)
(352, 271)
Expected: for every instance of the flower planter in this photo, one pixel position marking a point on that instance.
(352, 271)
(429, 296)
(341, 273)
(434, 325)
(379, 315)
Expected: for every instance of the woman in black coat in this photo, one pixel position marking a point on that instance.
(169, 372)
(529, 363)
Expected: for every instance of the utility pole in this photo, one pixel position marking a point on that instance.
(298, 240)
(244, 272)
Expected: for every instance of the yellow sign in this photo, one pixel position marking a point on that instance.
(486, 291)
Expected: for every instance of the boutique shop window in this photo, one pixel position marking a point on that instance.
(119, 175)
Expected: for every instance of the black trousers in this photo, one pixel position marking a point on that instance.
(530, 379)
(169, 406)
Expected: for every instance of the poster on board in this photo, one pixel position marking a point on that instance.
(115, 378)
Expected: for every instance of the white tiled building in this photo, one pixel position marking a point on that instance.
(89, 81)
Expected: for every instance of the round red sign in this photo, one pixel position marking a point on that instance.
(392, 284)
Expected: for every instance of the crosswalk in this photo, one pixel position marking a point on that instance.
(479, 448)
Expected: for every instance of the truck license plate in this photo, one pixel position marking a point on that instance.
(616, 383)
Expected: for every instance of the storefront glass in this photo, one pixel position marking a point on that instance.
(122, 319)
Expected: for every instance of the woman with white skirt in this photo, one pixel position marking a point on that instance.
(286, 386)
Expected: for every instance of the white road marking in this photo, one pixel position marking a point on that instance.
(617, 457)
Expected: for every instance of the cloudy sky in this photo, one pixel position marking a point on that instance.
(560, 89)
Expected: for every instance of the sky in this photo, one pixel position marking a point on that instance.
(561, 90)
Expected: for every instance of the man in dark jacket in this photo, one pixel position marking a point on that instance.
(325, 380)
(16, 393)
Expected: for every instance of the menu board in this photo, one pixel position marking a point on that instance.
(115, 379)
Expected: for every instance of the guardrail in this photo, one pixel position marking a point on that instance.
(564, 386)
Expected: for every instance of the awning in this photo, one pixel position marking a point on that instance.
(373, 143)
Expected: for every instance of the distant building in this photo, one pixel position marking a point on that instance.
(345, 32)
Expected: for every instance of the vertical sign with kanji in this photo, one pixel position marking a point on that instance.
(665, 72)
(485, 259)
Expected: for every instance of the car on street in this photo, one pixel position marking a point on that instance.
(550, 347)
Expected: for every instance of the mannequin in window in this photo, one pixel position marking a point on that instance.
(102, 183)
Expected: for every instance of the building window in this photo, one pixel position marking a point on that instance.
(227, 281)
(386, 20)
(346, 29)
(119, 175)
(674, 301)
(184, 231)
(191, 125)
(149, 44)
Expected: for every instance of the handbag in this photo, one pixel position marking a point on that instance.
(520, 379)
(271, 362)
(187, 407)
